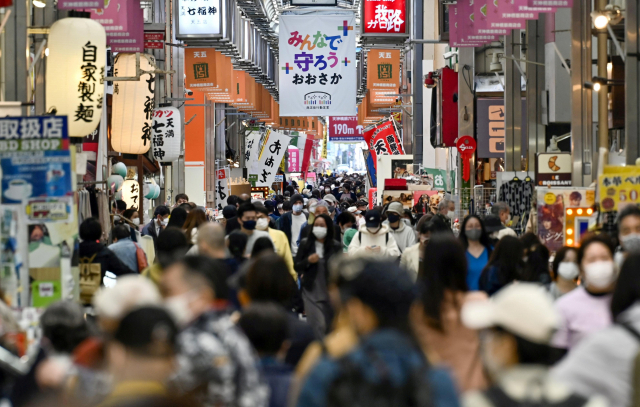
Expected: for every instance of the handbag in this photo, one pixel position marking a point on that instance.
(142, 258)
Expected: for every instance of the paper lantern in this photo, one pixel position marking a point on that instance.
(166, 134)
(147, 191)
(115, 182)
(133, 104)
(157, 191)
(131, 193)
(118, 196)
(75, 68)
(120, 169)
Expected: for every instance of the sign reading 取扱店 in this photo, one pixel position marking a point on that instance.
(317, 65)
(198, 19)
(35, 133)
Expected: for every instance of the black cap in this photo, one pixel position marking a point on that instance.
(362, 202)
(229, 211)
(373, 219)
(492, 223)
(296, 198)
(148, 331)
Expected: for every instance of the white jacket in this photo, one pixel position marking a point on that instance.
(410, 260)
(363, 239)
(404, 235)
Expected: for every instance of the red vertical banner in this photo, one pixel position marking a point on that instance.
(383, 140)
(308, 146)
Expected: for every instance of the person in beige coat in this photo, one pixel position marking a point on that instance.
(412, 256)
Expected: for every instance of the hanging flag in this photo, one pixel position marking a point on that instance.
(222, 187)
(383, 140)
(317, 65)
(252, 152)
(273, 149)
(306, 158)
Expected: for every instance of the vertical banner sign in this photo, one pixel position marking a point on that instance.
(166, 133)
(383, 74)
(200, 69)
(325, 141)
(131, 193)
(275, 145)
(344, 129)
(294, 159)
(222, 191)
(383, 140)
(252, 151)
(384, 17)
(306, 157)
(317, 65)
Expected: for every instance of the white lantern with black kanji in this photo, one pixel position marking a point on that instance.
(75, 70)
(133, 104)
(131, 193)
(166, 134)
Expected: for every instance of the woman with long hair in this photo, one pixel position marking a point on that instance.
(195, 218)
(504, 267)
(436, 321)
(564, 272)
(178, 218)
(311, 263)
(475, 240)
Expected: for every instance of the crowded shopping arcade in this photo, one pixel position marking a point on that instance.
(319, 203)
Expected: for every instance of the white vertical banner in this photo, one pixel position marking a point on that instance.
(252, 146)
(166, 134)
(317, 65)
(273, 149)
(222, 187)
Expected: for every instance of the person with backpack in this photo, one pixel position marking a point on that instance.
(374, 239)
(387, 368)
(517, 325)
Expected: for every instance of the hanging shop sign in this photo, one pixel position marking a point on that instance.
(553, 169)
(74, 84)
(490, 134)
(466, 146)
(314, 2)
(36, 175)
(618, 187)
(133, 104)
(73, 4)
(294, 159)
(383, 140)
(222, 187)
(273, 149)
(252, 151)
(154, 40)
(34, 133)
(317, 65)
(385, 18)
(48, 210)
(200, 69)
(198, 19)
(131, 193)
(131, 39)
(344, 129)
(383, 74)
(166, 131)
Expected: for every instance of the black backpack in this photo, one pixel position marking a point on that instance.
(352, 389)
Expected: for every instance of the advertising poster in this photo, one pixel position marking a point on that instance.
(422, 200)
(317, 65)
(619, 186)
(404, 197)
(344, 129)
(552, 204)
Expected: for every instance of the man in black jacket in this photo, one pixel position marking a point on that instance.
(158, 223)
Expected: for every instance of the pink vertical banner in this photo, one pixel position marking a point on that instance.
(501, 14)
(453, 25)
(550, 3)
(308, 146)
(493, 16)
(465, 20)
(113, 17)
(294, 160)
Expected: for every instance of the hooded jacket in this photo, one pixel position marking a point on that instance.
(363, 238)
(405, 236)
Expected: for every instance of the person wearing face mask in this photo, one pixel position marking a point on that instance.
(478, 249)
(517, 325)
(564, 272)
(374, 239)
(319, 208)
(311, 263)
(585, 310)
(158, 223)
(248, 220)
(225, 371)
(628, 232)
(291, 222)
(403, 234)
(412, 256)
(279, 239)
(347, 224)
(502, 211)
(447, 211)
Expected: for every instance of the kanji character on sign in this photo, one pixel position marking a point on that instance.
(202, 11)
(275, 147)
(212, 10)
(52, 127)
(89, 52)
(303, 61)
(296, 39)
(150, 82)
(30, 128)
(88, 70)
(323, 79)
(86, 91)
(191, 11)
(617, 181)
(297, 79)
(320, 60)
(157, 126)
(148, 107)
(84, 113)
(318, 40)
(159, 154)
(332, 40)
(335, 79)
(264, 176)
(169, 133)
(380, 147)
(146, 133)
(332, 55)
(221, 189)
(438, 181)
(311, 79)
(8, 130)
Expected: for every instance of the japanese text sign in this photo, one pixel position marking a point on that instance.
(619, 186)
(317, 68)
(200, 69)
(35, 133)
(252, 151)
(383, 140)
(166, 134)
(387, 17)
(344, 129)
(131, 193)
(383, 71)
(75, 4)
(275, 145)
(222, 191)
(550, 3)
(294, 159)
(198, 18)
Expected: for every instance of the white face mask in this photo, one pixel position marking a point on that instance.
(178, 307)
(312, 209)
(451, 215)
(297, 208)
(165, 222)
(262, 224)
(319, 232)
(136, 221)
(600, 274)
(568, 270)
(631, 243)
(361, 221)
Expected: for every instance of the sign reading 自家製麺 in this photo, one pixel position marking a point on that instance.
(317, 65)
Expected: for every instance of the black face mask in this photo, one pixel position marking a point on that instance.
(392, 217)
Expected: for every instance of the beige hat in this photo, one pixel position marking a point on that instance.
(396, 207)
(523, 309)
(330, 198)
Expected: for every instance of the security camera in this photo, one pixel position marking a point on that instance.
(188, 92)
(450, 54)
